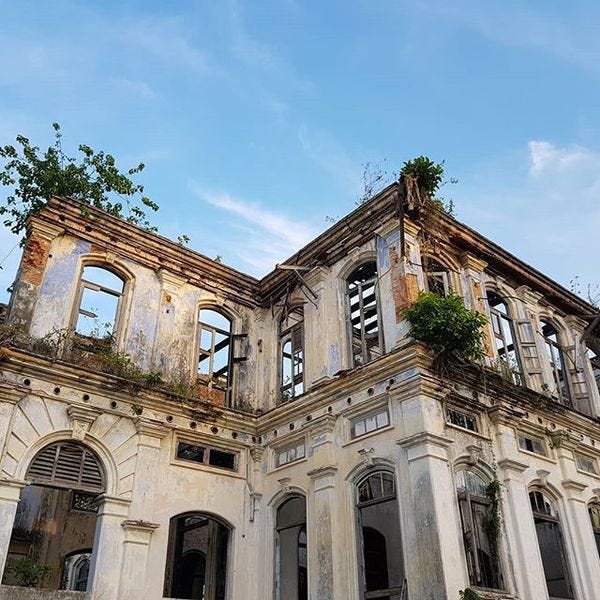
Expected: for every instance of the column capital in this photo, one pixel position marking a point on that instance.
(323, 424)
(323, 477)
(151, 429)
(113, 506)
(471, 262)
(425, 437)
(138, 531)
(10, 489)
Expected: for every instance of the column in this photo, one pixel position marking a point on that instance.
(135, 560)
(107, 555)
(320, 520)
(10, 494)
(586, 566)
(522, 539)
(435, 564)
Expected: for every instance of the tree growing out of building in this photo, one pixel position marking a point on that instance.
(94, 179)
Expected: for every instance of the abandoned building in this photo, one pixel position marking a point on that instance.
(173, 428)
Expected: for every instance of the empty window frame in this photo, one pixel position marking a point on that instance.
(215, 353)
(461, 419)
(550, 540)
(594, 512)
(557, 359)
(532, 444)
(291, 343)
(99, 300)
(586, 463)
(291, 559)
(367, 343)
(436, 276)
(504, 336)
(196, 567)
(380, 554)
(291, 453)
(475, 513)
(207, 455)
(373, 421)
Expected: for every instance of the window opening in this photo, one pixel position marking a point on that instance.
(292, 356)
(196, 566)
(532, 444)
(586, 463)
(215, 355)
(55, 521)
(504, 336)
(550, 541)
(436, 276)
(556, 356)
(594, 511)
(207, 455)
(367, 344)
(371, 422)
(291, 559)
(475, 513)
(291, 453)
(380, 545)
(100, 296)
(461, 419)
(595, 362)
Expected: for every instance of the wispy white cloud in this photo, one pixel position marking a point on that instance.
(326, 152)
(266, 237)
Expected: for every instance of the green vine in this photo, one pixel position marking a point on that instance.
(493, 524)
(469, 594)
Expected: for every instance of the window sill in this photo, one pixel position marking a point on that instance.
(463, 430)
(292, 463)
(536, 455)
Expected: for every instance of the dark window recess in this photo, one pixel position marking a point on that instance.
(380, 544)
(196, 565)
(84, 502)
(436, 276)
(474, 505)
(594, 510)
(367, 344)
(550, 540)
(532, 445)
(461, 419)
(206, 455)
(291, 575)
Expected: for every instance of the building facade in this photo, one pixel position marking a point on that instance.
(173, 428)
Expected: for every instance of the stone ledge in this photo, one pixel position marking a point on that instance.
(10, 592)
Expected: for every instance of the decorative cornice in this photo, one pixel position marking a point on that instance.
(320, 472)
(425, 437)
(543, 476)
(43, 229)
(510, 464)
(323, 424)
(139, 525)
(528, 295)
(575, 486)
(151, 428)
(469, 261)
(257, 453)
(10, 489)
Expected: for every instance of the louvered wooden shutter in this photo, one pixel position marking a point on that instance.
(528, 346)
(68, 465)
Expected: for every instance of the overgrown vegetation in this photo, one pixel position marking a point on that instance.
(469, 594)
(446, 326)
(98, 355)
(28, 573)
(93, 179)
(493, 525)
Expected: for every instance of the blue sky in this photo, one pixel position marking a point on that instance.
(254, 119)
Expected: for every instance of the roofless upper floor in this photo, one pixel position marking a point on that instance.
(336, 305)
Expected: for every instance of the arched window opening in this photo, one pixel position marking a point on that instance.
(291, 343)
(196, 566)
(99, 301)
(380, 544)
(367, 343)
(504, 335)
(55, 523)
(436, 276)
(594, 510)
(557, 359)
(291, 559)
(550, 540)
(475, 515)
(215, 355)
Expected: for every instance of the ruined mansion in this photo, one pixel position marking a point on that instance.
(173, 428)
